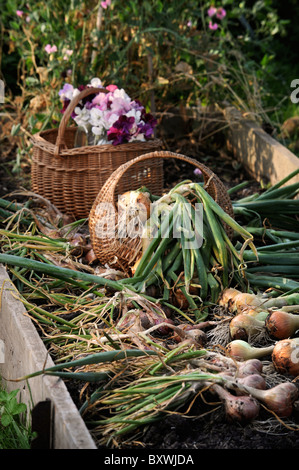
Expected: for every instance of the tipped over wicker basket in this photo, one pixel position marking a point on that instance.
(71, 177)
(122, 253)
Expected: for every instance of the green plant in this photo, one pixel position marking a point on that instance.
(14, 432)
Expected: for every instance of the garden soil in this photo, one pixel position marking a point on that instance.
(203, 426)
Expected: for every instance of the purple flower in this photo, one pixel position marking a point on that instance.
(19, 13)
(119, 133)
(213, 26)
(105, 4)
(212, 11)
(197, 172)
(221, 13)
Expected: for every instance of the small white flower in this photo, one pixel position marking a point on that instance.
(96, 83)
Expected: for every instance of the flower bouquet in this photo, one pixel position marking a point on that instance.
(70, 164)
(109, 118)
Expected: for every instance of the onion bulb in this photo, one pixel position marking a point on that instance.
(279, 399)
(253, 380)
(285, 356)
(244, 326)
(245, 301)
(237, 408)
(134, 204)
(241, 350)
(249, 367)
(227, 297)
(257, 313)
(281, 324)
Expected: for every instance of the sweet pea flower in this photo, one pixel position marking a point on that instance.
(20, 13)
(96, 83)
(50, 49)
(111, 88)
(105, 4)
(67, 54)
(221, 13)
(110, 117)
(212, 11)
(213, 26)
(66, 91)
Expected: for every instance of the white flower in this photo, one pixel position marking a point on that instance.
(96, 83)
(82, 118)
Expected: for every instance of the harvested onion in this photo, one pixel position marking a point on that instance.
(242, 409)
(241, 350)
(135, 203)
(245, 301)
(279, 399)
(227, 297)
(285, 356)
(281, 324)
(251, 366)
(253, 380)
(257, 313)
(244, 326)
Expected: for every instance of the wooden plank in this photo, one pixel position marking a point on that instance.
(24, 353)
(264, 157)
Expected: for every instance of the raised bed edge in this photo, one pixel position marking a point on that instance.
(24, 353)
(262, 155)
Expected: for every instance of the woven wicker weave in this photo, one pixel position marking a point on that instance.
(122, 253)
(71, 177)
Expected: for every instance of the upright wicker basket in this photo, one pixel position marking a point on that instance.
(71, 177)
(123, 252)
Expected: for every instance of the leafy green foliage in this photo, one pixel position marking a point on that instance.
(14, 433)
(162, 52)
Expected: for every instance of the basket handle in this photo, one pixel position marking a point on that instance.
(214, 184)
(67, 115)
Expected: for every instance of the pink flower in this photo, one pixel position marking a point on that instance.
(50, 49)
(197, 172)
(221, 13)
(19, 13)
(111, 88)
(105, 4)
(67, 54)
(213, 26)
(212, 11)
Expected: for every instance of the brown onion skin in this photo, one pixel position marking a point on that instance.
(242, 326)
(280, 324)
(279, 399)
(285, 357)
(242, 409)
(227, 298)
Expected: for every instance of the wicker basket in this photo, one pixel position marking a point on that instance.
(71, 177)
(122, 253)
